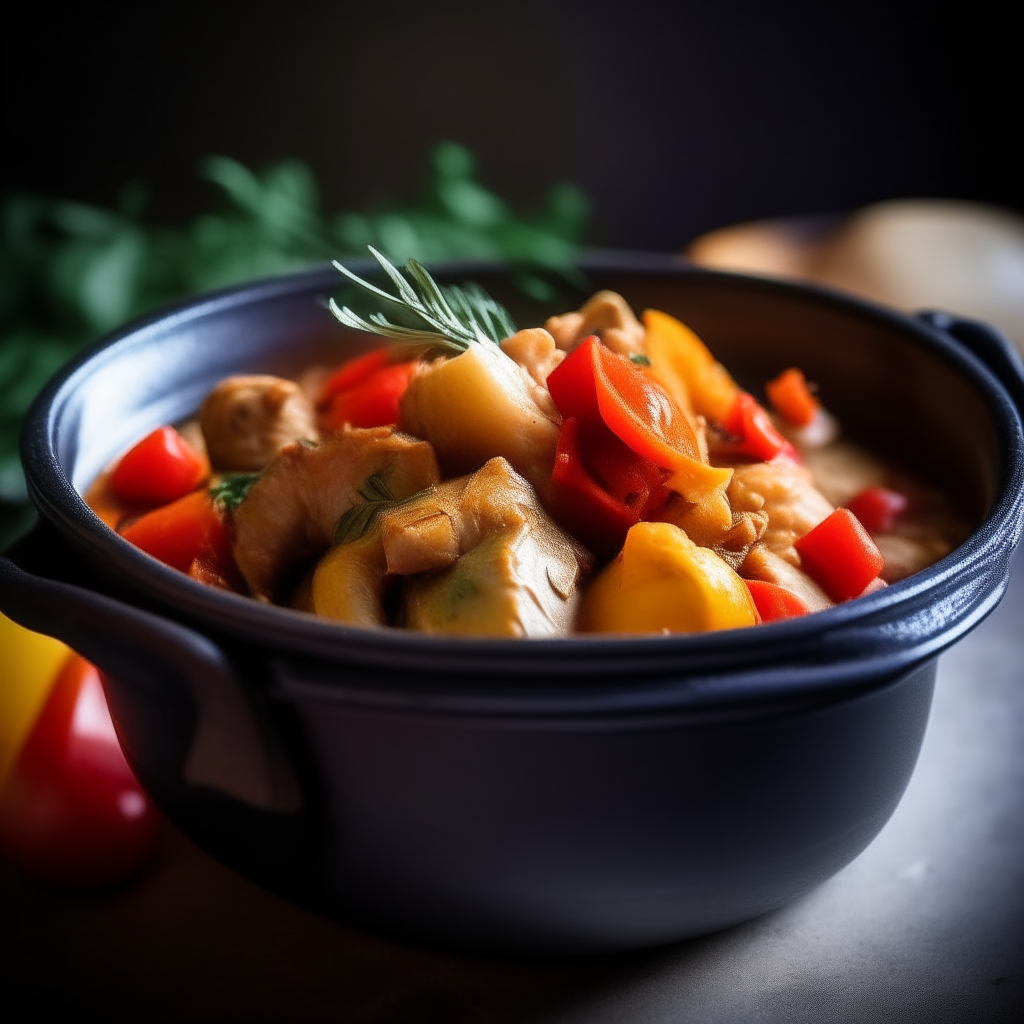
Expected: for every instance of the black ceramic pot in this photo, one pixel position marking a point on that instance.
(563, 795)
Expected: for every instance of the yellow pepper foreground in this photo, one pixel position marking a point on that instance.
(663, 581)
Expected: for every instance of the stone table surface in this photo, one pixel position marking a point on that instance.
(926, 925)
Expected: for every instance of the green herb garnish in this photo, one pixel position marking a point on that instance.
(450, 318)
(356, 522)
(232, 488)
(359, 519)
(640, 359)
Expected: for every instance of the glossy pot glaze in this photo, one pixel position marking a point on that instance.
(591, 793)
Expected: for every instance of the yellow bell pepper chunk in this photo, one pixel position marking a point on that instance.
(682, 364)
(29, 665)
(349, 583)
(663, 581)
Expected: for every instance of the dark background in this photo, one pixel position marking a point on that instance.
(675, 118)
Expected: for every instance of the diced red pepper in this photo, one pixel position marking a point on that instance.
(757, 435)
(775, 603)
(374, 401)
(840, 555)
(878, 508)
(354, 372)
(595, 383)
(792, 398)
(163, 466)
(71, 811)
(188, 529)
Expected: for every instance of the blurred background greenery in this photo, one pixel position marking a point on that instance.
(70, 272)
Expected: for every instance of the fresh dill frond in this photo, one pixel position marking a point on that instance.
(451, 318)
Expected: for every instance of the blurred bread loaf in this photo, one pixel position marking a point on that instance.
(913, 254)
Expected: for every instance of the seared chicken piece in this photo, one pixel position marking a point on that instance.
(246, 421)
(479, 405)
(787, 494)
(535, 351)
(479, 556)
(292, 510)
(730, 543)
(606, 314)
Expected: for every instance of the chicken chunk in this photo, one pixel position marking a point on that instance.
(535, 351)
(731, 542)
(787, 495)
(606, 314)
(247, 420)
(291, 512)
(478, 556)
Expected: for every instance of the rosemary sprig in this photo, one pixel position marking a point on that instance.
(450, 318)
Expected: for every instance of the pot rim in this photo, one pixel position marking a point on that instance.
(857, 642)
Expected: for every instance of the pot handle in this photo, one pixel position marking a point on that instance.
(989, 344)
(229, 750)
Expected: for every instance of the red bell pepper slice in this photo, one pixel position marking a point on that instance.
(840, 555)
(629, 478)
(594, 383)
(354, 372)
(878, 508)
(792, 398)
(585, 507)
(373, 401)
(178, 534)
(163, 466)
(757, 435)
(775, 603)
(71, 812)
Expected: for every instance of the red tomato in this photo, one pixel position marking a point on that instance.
(878, 508)
(163, 466)
(775, 603)
(71, 812)
(373, 402)
(840, 555)
(190, 528)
